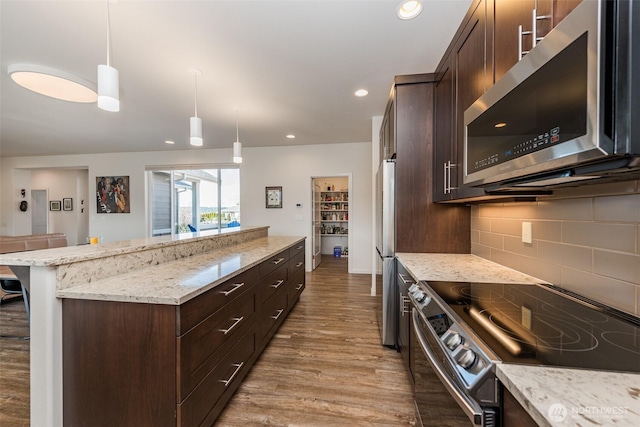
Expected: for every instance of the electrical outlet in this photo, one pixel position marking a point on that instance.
(526, 317)
(527, 232)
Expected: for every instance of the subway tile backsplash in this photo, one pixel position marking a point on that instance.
(584, 239)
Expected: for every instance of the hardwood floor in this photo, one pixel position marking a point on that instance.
(324, 367)
(14, 364)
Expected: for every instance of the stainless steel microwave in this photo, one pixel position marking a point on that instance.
(568, 112)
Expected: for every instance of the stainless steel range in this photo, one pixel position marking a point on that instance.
(463, 329)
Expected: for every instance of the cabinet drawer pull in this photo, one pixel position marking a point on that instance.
(299, 264)
(278, 261)
(300, 285)
(277, 315)
(236, 322)
(236, 286)
(238, 367)
(299, 247)
(277, 284)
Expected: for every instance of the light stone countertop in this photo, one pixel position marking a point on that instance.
(553, 396)
(566, 397)
(178, 281)
(460, 268)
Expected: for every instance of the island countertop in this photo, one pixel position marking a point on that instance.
(580, 396)
(178, 281)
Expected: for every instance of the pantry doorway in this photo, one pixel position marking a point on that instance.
(331, 215)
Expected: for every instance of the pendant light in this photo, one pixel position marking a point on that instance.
(108, 79)
(195, 123)
(237, 146)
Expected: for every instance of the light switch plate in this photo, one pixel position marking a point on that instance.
(527, 232)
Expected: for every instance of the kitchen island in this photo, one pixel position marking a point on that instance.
(551, 396)
(167, 297)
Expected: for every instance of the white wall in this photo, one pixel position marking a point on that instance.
(290, 167)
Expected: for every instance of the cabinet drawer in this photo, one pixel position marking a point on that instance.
(296, 249)
(197, 309)
(273, 282)
(296, 263)
(296, 286)
(226, 376)
(274, 262)
(200, 349)
(273, 314)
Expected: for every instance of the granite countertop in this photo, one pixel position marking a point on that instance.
(553, 396)
(574, 397)
(460, 268)
(178, 281)
(71, 254)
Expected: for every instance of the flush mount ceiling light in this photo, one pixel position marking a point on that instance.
(237, 146)
(195, 123)
(361, 92)
(108, 79)
(409, 9)
(53, 83)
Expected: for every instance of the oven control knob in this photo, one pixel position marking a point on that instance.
(453, 340)
(466, 357)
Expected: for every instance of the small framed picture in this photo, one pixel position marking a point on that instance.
(54, 205)
(67, 204)
(273, 197)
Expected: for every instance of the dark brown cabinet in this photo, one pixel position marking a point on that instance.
(404, 281)
(514, 24)
(464, 75)
(164, 365)
(387, 134)
(421, 225)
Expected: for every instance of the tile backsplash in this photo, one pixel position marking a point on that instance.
(585, 239)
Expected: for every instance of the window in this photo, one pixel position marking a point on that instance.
(188, 200)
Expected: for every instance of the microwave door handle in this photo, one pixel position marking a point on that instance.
(470, 408)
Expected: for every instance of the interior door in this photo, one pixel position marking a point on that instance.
(39, 211)
(316, 239)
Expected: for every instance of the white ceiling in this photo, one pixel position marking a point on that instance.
(291, 66)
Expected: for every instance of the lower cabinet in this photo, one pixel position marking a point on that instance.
(163, 365)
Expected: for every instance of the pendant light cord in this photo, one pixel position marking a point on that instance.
(195, 86)
(108, 36)
(237, 113)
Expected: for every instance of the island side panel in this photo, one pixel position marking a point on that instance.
(119, 363)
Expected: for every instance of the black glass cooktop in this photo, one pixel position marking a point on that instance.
(539, 324)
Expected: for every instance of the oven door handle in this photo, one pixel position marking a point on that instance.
(471, 408)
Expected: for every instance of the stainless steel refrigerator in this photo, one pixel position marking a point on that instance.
(386, 244)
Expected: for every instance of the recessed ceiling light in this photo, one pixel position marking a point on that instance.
(169, 142)
(361, 92)
(53, 83)
(291, 136)
(409, 9)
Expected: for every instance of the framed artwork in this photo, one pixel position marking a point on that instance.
(273, 197)
(112, 194)
(54, 205)
(67, 204)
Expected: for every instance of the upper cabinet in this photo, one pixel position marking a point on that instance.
(387, 135)
(519, 25)
(493, 36)
(464, 75)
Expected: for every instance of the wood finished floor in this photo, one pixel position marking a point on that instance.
(324, 367)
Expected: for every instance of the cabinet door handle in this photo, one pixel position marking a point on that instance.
(299, 247)
(236, 286)
(300, 285)
(444, 181)
(299, 264)
(406, 279)
(278, 261)
(238, 366)
(521, 34)
(236, 322)
(277, 284)
(278, 315)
